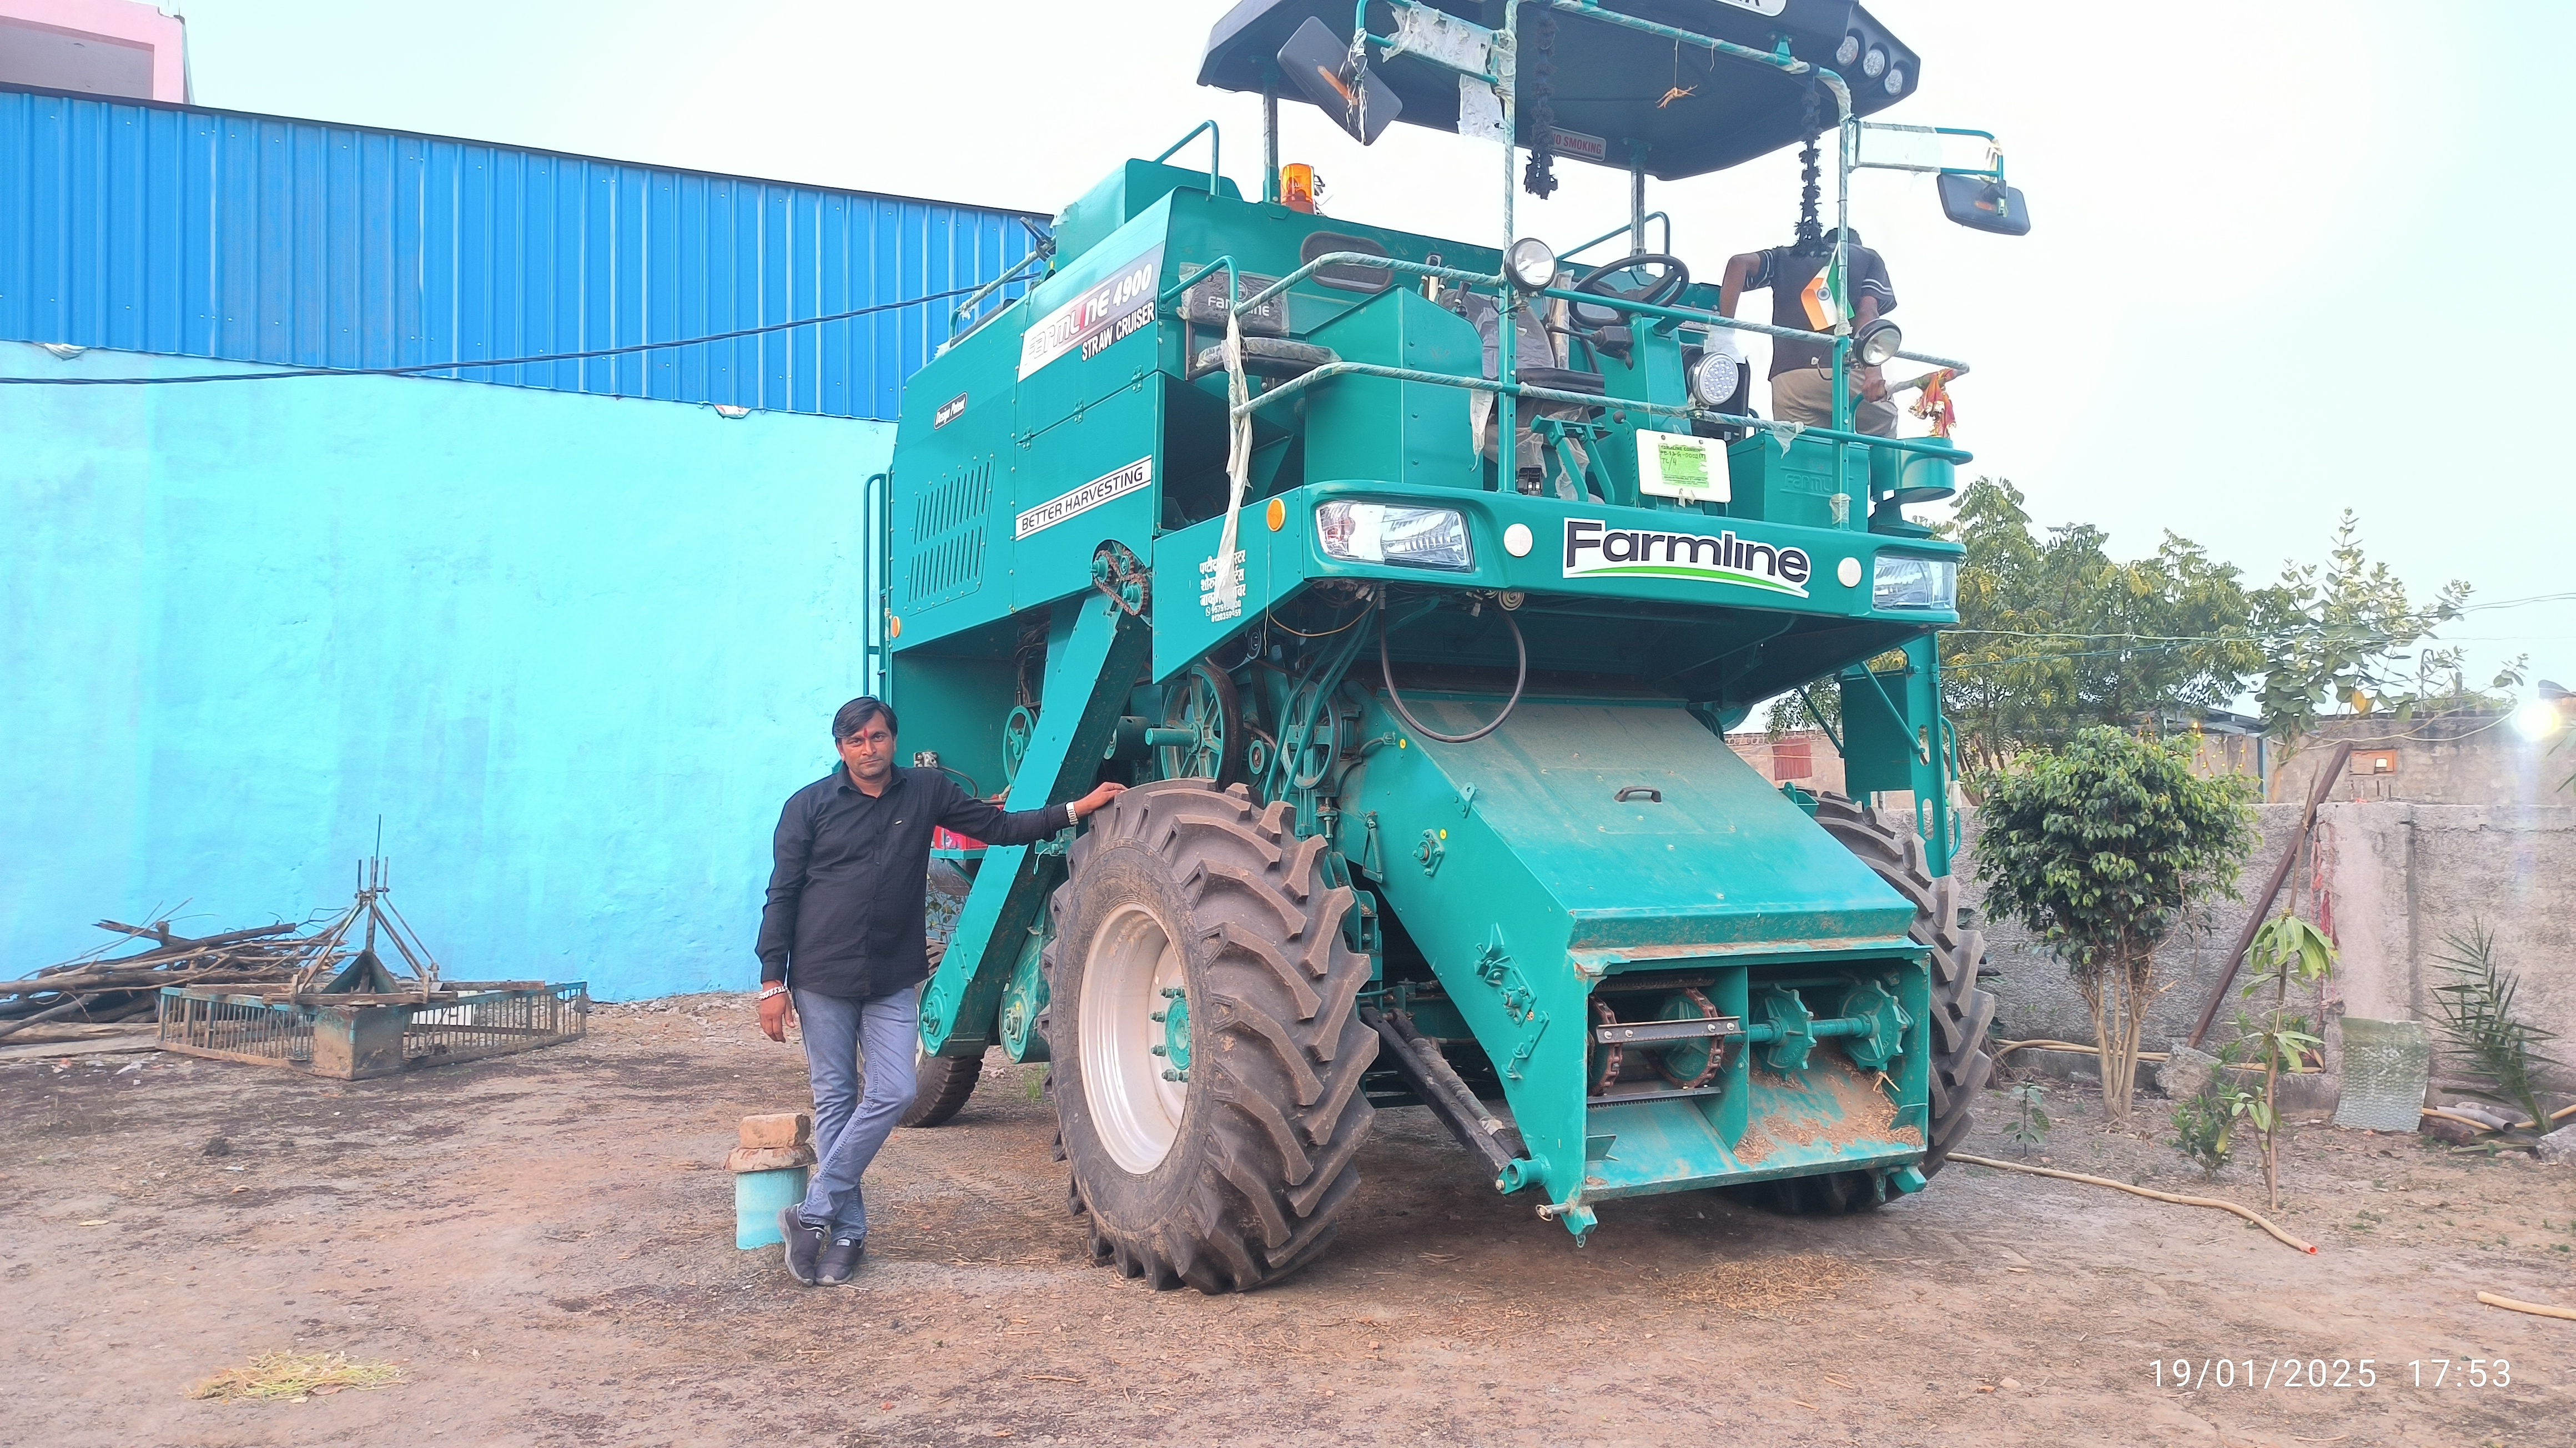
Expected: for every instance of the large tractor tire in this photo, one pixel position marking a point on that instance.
(941, 1084)
(1960, 1012)
(1204, 1036)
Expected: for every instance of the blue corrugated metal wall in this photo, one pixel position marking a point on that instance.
(260, 239)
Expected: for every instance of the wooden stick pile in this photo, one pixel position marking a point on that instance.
(125, 987)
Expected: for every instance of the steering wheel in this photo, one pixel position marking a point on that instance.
(1671, 276)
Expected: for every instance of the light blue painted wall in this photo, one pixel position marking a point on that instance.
(575, 650)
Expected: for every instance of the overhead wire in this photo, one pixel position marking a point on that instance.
(410, 369)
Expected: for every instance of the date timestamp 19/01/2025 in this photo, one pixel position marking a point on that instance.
(2259, 1373)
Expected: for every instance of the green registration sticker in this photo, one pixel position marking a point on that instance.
(1683, 466)
(1680, 465)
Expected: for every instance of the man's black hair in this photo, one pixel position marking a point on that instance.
(1822, 244)
(855, 716)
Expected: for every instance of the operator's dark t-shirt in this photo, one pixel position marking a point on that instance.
(1787, 273)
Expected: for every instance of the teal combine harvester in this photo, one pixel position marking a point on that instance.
(1191, 512)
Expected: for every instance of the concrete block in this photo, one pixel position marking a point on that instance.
(2298, 1091)
(768, 1158)
(783, 1128)
(2492, 1115)
(2457, 1133)
(2184, 1072)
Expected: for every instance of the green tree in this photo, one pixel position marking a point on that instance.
(2055, 634)
(2096, 849)
(2337, 638)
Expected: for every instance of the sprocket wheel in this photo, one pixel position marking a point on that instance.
(1960, 1011)
(1204, 701)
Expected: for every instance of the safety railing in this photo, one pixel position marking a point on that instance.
(876, 580)
(1492, 64)
(1636, 229)
(1216, 142)
(1508, 386)
(966, 309)
(1863, 130)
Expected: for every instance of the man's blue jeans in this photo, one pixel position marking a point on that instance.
(849, 1126)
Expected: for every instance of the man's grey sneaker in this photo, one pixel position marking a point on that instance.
(804, 1244)
(839, 1262)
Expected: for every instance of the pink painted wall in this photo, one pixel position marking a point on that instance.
(94, 47)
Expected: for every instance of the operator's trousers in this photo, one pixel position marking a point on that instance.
(852, 1120)
(1806, 395)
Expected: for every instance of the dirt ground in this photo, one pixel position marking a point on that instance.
(544, 1243)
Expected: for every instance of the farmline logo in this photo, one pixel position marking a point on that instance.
(1593, 549)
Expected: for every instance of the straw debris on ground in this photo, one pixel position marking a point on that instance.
(1759, 1283)
(294, 1376)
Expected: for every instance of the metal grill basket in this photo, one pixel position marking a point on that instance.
(350, 1037)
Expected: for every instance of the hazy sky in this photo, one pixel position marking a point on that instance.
(2286, 256)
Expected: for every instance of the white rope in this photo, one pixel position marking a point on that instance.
(1224, 593)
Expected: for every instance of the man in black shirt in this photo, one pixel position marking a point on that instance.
(1802, 376)
(842, 938)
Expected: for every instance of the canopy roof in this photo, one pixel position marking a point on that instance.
(1610, 87)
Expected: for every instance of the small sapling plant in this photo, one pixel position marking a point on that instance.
(2029, 1126)
(2285, 950)
(2205, 1124)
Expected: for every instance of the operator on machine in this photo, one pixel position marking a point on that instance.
(841, 937)
(1802, 375)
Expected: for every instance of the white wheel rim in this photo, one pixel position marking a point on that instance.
(1137, 1113)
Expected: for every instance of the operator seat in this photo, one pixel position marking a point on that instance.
(1268, 351)
(1539, 358)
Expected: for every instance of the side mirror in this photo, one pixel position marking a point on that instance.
(1982, 205)
(1319, 61)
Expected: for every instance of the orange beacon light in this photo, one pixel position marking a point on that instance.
(1298, 186)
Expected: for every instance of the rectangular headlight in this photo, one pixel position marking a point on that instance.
(1384, 533)
(1898, 581)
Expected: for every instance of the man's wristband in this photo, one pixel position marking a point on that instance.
(770, 988)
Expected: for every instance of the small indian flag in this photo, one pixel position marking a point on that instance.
(1824, 311)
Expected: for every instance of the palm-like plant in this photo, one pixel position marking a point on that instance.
(2476, 1009)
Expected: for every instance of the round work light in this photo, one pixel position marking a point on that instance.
(1532, 263)
(1714, 378)
(1877, 342)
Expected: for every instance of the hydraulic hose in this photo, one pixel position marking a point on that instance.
(1520, 678)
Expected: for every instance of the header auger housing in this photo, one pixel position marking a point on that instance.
(1415, 585)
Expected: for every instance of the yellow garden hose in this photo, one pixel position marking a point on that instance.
(2247, 1213)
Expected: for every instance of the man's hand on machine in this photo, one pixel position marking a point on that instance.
(1097, 799)
(775, 1011)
